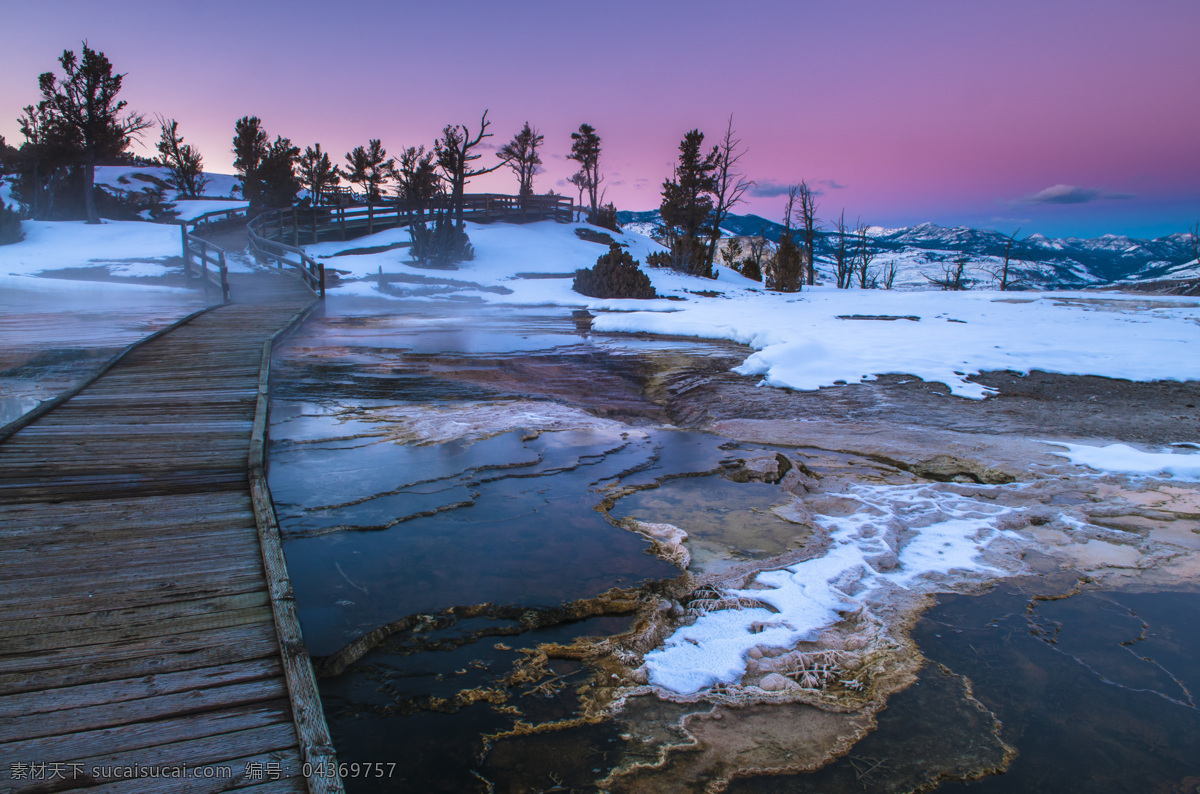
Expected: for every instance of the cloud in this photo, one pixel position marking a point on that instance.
(831, 184)
(769, 188)
(1004, 220)
(1070, 194)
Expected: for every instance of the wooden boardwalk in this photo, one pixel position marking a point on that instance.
(136, 626)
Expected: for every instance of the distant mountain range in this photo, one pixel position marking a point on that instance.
(921, 253)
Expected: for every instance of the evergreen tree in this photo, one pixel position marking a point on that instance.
(182, 159)
(520, 154)
(787, 272)
(371, 168)
(585, 150)
(687, 203)
(417, 181)
(250, 149)
(317, 172)
(277, 174)
(44, 162)
(83, 107)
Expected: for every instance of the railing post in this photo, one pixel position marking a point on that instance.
(224, 278)
(342, 221)
(370, 218)
(186, 251)
(295, 227)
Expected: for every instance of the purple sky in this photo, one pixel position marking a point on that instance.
(1066, 117)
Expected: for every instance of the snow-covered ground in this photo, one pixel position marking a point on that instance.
(821, 336)
(57, 245)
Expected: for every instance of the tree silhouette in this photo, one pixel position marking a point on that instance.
(182, 159)
(83, 105)
(520, 154)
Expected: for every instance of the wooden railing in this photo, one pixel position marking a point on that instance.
(198, 255)
(277, 235)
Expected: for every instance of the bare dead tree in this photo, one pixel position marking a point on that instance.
(580, 180)
(864, 254)
(454, 157)
(888, 273)
(953, 275)
(843, 257)
(758, 256)
(806, 220)
(731, 186)
(1008, 246)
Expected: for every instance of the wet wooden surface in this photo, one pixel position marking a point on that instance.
(136, 628)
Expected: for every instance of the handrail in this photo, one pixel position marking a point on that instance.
(198, 254)
(277, 234)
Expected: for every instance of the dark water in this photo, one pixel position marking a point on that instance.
(378, 528)
(1096, 693)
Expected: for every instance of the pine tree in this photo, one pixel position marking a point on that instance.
(277, 174)
(417, 181)
(182, 159)
(687, 203)
(317, 172)
(85, 108)
(585, 150)
(787, 272)
(250, 149)
(371, 168)
(520, 154)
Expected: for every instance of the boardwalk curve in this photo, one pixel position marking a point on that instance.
(139, 630)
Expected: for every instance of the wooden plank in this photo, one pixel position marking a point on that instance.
(54, 639)
(263, 647)
(137, 616)
(107, 715)
(153, 685)
(107, 743)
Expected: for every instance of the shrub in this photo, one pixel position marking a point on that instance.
(615, 275)
(606, 217)
(442, 244)
(658, 259)
(10, 226)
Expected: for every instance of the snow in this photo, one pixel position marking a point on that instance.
(909, 537)
(191, 209)
(1127, 460)
(54, 245)
(800, 342)
(126, 178)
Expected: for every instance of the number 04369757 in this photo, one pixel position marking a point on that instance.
(324, 769)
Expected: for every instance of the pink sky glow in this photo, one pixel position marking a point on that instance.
(899, 112)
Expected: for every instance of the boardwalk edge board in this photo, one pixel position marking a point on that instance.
(47, 406)
(316, 747)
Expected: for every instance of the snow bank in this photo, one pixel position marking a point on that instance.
(908, 537)
(54, 245)
(808, 340)
(1127, 460)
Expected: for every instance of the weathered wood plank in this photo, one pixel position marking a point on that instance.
(153, 685)
(130, 617)
(107, 715)
(107, 743)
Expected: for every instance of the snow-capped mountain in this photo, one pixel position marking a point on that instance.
(923, 252)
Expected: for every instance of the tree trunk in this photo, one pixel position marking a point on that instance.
(89, 187)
